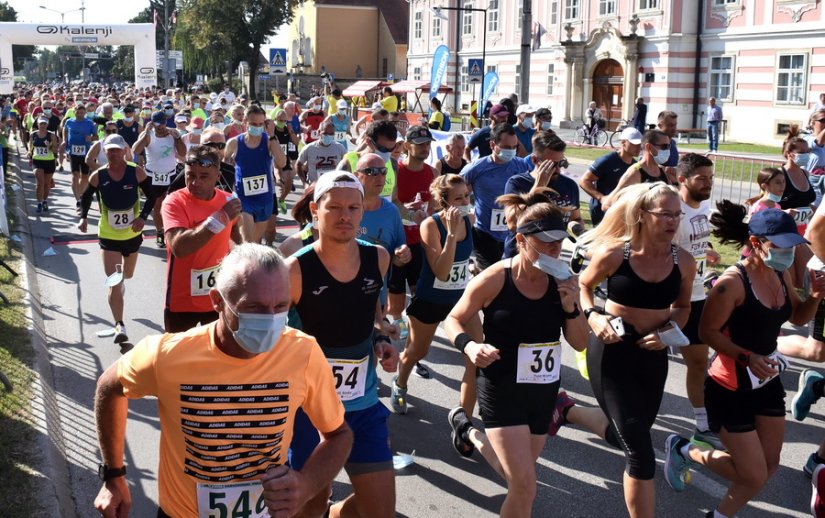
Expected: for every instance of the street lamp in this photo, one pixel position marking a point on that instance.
(63, 14)
(437, 12)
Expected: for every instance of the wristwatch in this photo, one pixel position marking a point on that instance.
(105, 473)
(743, 359)
(590, 311)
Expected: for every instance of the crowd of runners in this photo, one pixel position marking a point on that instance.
(267, 377)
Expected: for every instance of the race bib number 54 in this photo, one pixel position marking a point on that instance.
(539, 363)
(350, 377)
(230, 500)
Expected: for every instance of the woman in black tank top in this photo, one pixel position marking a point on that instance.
(525, 311)
(743, 315)
(650, 284)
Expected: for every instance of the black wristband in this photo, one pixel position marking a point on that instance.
(461, 341)
(379, 338)
(573, 314)
(590, 311)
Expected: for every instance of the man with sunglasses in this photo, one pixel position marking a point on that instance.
(200, 221)
(544, 167)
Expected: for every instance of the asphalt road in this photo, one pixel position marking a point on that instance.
(578, 474)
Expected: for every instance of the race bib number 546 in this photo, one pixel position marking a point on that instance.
(231, 500)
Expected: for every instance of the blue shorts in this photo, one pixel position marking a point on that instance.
(259, 210)
(370, 446)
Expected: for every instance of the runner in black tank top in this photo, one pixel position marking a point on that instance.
(744, 395)
(519, 361)
(446, 168)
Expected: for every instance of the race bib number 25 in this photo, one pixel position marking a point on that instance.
(231, 500)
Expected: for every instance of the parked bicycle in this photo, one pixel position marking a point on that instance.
(615, 137)
(594, 137)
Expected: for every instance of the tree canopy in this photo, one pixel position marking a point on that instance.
(20, 53)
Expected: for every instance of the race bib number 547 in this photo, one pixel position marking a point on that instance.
(230, 500)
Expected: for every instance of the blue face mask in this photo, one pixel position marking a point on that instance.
(776, 198)
(196, 105)
(255, 131)
(780, 259)
(169, 113)
(327, 139)
(505, 155)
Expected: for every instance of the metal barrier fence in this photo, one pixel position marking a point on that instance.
(735, 175)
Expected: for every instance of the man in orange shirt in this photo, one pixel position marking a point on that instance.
(200, 220)
(227, 394)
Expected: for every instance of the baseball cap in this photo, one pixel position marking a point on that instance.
(181, 118)
(419, 135)
(114, 142)
(548, 230)
(525, 108)
(499, 110)
(335, 179)
(42, 120)
(213, 96)
(159, 117)
(543, 112)
(197, 122)
(168, 104)
(777, 227)
(341, 104)
(631, 135)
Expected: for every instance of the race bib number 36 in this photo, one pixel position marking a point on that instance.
(350, 377)
(230, 500)
(539, 363)
(255, 185)
(200, 281)
(459, 276)
(121, 219)
(497, 223)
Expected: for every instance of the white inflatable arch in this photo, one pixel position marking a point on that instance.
(140, 35)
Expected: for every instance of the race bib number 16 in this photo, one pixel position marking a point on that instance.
(230, 500)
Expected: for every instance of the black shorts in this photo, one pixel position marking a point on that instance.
(736, 411)
(817, 326)
(78, 163)
(179, 321)
(428, 312)
(691, 329)
(507, 403)
(126, 247)
(487, 249)
(400, 276)
(48, 166)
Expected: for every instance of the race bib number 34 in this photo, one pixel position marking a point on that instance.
(539, 363)
(459, 276)
(350, 377)
(231, 500)
(255, 185)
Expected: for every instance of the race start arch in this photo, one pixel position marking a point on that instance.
(140, 35)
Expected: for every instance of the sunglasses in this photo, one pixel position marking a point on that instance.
(821, 121)
(201, 161)
(111, 132)
(217, 145)
(373, 171)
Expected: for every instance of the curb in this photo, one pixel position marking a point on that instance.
(53, 489)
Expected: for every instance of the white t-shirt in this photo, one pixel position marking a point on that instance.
(694, 236)
(320, 159)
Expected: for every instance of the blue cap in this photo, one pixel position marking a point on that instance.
(777, 227)
(159, 117)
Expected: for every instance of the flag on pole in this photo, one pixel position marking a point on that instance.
(155, 17)
(538, 32)
(175, 16)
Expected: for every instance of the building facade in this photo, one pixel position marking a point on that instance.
(764, 60)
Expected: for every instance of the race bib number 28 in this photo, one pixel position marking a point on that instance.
(231, 500)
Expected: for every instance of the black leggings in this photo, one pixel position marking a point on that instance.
(629, 382)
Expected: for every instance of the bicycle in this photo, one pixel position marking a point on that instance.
(596, 136)
(615, 137)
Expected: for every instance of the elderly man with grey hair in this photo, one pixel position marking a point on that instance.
(227, 394)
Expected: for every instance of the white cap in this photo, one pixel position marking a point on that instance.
(181, 118)
(330, 180)
(525, 108)
(341, 104)
(114, 142)
(631, 135)
(213, 96)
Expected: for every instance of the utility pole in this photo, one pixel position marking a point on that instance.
(166, 43)
(526, 36)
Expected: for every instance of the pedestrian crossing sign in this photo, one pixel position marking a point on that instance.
(277, 61)
(475, 70)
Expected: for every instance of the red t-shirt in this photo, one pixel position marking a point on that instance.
(21, 105)
(411, 183)
(189, 278)
(313, 120)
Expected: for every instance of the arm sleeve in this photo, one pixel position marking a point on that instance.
(149, 204)
(136, 369)
(86, 200)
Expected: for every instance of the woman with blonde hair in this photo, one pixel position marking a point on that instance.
(649, 284)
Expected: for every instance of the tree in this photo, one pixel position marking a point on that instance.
(20, 53)
(233, 30)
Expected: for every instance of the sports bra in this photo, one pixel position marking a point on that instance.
(628, 289)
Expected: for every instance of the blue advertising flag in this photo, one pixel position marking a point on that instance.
(440, 59)
(488, 87)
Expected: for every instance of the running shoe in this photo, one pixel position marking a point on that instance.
(461, 425)
(707, 439)
(45, 206)
(557, 420)
(398, 398)
(421, 370)
(818, 493)
(805, 397)
(39, 208)
(810, 466)
(282, 206)
(120, 333)
(160, 241)
(77, 208)
(677, 466)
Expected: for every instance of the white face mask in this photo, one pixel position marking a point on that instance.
(465, 210)
(551, 266)
(662, 157)
(546, 125)
(527, 123)
(258, 333)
